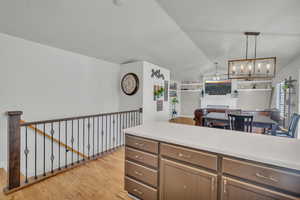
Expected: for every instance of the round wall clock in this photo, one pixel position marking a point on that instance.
(130, 83)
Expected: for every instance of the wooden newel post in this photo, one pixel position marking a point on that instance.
(14, 149)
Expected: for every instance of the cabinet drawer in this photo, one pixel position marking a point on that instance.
(141, 157)
(140, 190)
(191, 156)
(237, 190)
(141, 173)
(142, 144)
(273, 177)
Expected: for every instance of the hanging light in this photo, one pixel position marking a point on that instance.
(252, 68)
(217, 75)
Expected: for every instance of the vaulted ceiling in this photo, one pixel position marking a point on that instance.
(186, 36)
(217, 27)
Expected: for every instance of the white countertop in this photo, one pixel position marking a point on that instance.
(281, 152)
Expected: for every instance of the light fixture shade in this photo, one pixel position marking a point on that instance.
(252, 68)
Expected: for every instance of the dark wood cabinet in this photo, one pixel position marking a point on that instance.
(179, 181)
(237, 190)
(155, 170)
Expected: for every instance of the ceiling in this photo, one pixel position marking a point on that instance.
(137, 30)
(217, 27)
(186, 36)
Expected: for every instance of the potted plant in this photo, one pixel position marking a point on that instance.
(174, 101)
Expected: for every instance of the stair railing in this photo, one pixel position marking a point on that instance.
(42, 149)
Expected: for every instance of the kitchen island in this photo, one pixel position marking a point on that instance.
(169, 161)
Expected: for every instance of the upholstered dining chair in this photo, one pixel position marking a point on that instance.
(291, 131)
(240, 122)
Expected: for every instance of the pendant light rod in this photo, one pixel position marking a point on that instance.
(255, 34)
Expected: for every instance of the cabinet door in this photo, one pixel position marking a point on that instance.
(237, 190)
(179, 181)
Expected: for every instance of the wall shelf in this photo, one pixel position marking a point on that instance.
(252, 90)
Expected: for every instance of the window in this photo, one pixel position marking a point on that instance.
(280, 98)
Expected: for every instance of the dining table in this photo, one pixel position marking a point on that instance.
(259, 121)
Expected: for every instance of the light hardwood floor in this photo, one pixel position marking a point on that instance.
(99, 179)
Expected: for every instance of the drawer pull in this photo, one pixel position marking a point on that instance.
(139, 144)
(224, 186)
(137, 191)
(139, 157)
(183, 156)
(266, 177)
(138, 173)
(212, 184)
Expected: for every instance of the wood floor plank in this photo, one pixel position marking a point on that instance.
(100, 179)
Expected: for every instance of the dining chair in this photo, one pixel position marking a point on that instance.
(291, 131)
(240, 122)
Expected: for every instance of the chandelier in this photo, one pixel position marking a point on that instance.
(252, 68)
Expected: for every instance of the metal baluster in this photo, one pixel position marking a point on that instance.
(127, 119)
(59, 146)
(93, 136)
(117, 130)
(83, 128)
(35, 152)
(102, 134)
(136, 118)
(72, 142)
(52, 155)
(66, 140)
(106, 132)
(113, 133)
(89, 126)
(26, 152)
(78, 126)
(44, 153)
(109, 132)
(120, 128)
(98, 132)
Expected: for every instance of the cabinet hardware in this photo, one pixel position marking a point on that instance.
(266, 177)
(224, 186)
(212, 184)
(139, 144)
(137, 191)
(138, 173)
(138, 157)
(183, 156)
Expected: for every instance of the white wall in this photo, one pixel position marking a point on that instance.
(149, 105)
(144, 96)
(46, 82)
(135, 101)
(291, 69)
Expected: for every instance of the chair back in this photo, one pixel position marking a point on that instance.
(293, 125)
(241, 122)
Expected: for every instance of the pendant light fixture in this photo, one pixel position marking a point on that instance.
(217, 75)
(252, 68)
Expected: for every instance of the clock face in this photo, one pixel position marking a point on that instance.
(130, 83)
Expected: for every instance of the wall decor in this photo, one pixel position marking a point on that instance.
(166, 91)
(159, 105)
(130, 83)
(157, 74)
(158, 92)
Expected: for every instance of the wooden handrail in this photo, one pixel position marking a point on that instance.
(114, 138)
(79, 117)
(54, 139)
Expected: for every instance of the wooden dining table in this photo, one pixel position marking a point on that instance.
(258, 121)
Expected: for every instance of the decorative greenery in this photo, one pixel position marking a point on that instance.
(174, 101)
